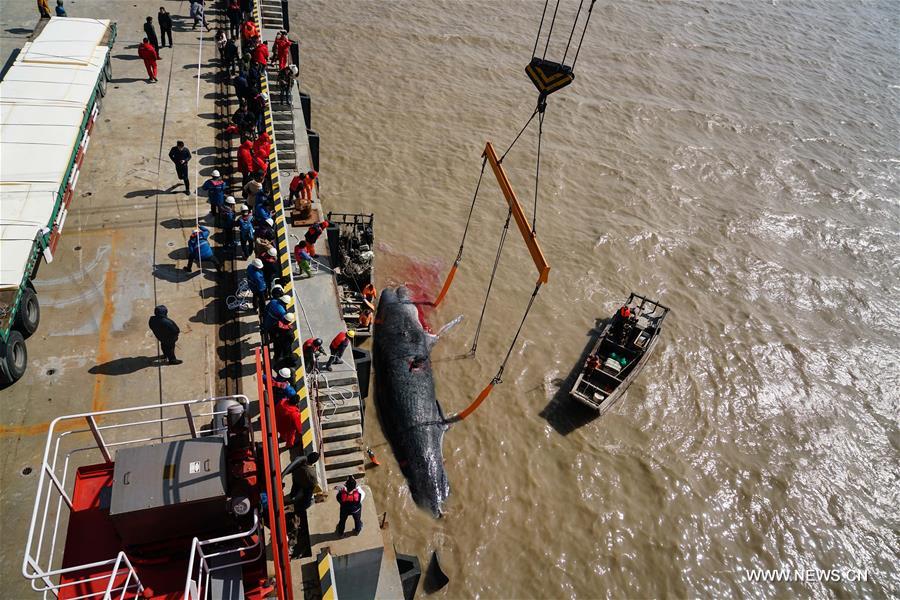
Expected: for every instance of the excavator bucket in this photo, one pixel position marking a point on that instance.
(548, 76)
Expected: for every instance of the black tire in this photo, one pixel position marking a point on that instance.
(29, 316)
(13, 357)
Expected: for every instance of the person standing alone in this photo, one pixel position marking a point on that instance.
(350, 497)
(149, 55)
(180, 155)
(166, 331)
(165, 26)
(150, 32)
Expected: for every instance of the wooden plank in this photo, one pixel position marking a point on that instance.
(537, 255)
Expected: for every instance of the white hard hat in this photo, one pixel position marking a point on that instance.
(285, 299)
(256, 263)
(290, 317)
(265, 96)
(270, 222)
(273, 252)
(284, 372)
(245, 208)
(216, 173)
(277, 290)
(229, 200)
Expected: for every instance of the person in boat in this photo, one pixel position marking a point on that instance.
(621, 325)
(593, 362)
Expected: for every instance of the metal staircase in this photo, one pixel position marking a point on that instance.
(341, 419)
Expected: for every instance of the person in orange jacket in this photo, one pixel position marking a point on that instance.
(311, 178)
(262, 146)
(249, 30)
(369, 294)
(282, 50)
(245, 160)
(149, 55)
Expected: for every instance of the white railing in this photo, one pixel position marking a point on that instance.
(70, 444)
(197, 588)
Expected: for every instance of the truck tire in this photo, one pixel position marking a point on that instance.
(13, 357)
(29, 316)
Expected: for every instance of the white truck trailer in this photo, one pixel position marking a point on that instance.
(49, 100)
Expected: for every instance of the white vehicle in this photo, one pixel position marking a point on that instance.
(49, 100)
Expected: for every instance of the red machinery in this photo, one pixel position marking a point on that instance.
(161, 501)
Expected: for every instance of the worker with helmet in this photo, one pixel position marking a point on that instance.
(215, 192)
(256, 281)
(312, 348)
(275, 310)
(199, 249)
(283, 336)
(270, 265)
(350, 497)
(312, 235)
(337, 347)
(246, 231)
(228, 219)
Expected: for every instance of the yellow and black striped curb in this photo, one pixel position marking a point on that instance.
(326, 577)
(307, 430)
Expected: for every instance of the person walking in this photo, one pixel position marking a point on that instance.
(260, 60)
(43, 9)
(198, 12)
(149, 55)
(165, 26)
(60, 9)
(350, 497)
(150, 32)
(166, 331)
(215, 192)
(200, 250)
(180, 155)
(337, 347)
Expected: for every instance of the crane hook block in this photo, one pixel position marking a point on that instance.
(548, 76)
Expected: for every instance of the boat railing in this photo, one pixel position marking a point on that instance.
(238, 551)
(91, 438)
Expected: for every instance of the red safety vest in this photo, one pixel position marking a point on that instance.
(350, 497)
(338, 340)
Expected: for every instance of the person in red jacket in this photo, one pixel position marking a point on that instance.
(261, 164)
(298, 184)
(288, 421)
(261, 54)
(282, 50)
(337, 347)
(312, 236)
(245, 160)
(262, 146)
(149, 55)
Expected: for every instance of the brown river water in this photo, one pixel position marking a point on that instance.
(736, 160)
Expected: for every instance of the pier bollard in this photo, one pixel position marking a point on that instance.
(313, 148)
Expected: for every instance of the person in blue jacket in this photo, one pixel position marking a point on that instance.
(256, 282)
(275, 311)
(215, 192)
(245, 223)
(199, 249)
(262, 210)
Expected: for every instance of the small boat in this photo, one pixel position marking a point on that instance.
(620, 353)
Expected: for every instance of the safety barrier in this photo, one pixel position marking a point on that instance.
(308, 432)
(197, 588)
(326, 577)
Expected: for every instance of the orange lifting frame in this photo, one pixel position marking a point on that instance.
(537, 255)
(530, 238)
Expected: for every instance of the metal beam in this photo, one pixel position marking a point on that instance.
(537, 255)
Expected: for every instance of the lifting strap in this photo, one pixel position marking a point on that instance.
(462, 243)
